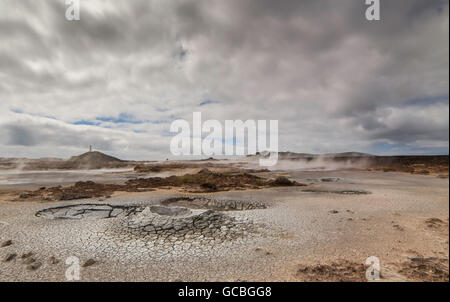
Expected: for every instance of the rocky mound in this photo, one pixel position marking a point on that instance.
(94, 157)
(201, 182)
(182, 224)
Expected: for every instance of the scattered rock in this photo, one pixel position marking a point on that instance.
(25, 195)
(26, 255)
(341, 271)
(204, 181)
(29, 260)
(53, 260)
(89, 262)
(6, 243)
(34, 266)
(436, 223)
(398, 227)
(9, 257)
(425, 269)
(333, 212)
(282, 181)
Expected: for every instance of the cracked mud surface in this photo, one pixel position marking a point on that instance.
(214, 204)
(186, 231)
(258, 235)
(339, 271)
(165, 230)
(86, 211)
(167, 227)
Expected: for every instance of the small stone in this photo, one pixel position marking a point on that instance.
(6, 243)
(89, 262)
(53, 260)
(26, 255)
(334, 212)
(24, 195)
(9, 257)
(29, 260)
(34, 266)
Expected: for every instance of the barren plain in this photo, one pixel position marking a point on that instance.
(225, 221)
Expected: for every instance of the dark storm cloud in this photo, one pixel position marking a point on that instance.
(35, 134)
(334, 80)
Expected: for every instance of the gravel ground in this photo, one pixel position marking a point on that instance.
(334, 222)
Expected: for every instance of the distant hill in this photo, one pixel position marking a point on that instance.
(294, 156)
(94, 157)
(349, 154)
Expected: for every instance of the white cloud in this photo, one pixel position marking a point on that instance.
(333, 80)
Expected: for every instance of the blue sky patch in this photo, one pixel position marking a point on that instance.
(208, 102)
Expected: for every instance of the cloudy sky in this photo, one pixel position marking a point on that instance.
(117, 78)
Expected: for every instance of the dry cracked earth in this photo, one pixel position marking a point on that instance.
(322, 232)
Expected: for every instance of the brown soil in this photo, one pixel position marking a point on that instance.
(339, 271)
(160, 167)
(425, 165)
(425, 269)
(171, 166)
(415, 269)
(201, 182)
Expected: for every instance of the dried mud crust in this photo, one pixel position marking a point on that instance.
(344, 191)
(338, 271)
(87, 211)
(414, 269)
(425, 269)
(437, 224)
(213, 204)
(203, 227)
(169, 227)
(201, 182)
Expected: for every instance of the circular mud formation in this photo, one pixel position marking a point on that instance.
(169, 207)
(340, 191)
(182, 224)
(87, 211)
(182, 220)
(328, 180)
(213, 204)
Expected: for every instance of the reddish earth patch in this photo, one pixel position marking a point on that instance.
(339, 271)
(424, 165)
(425, 269)
(203, 181)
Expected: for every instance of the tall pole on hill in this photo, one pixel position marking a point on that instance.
(90, 148)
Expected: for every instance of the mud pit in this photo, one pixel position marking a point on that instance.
(213, 204)
(86, 211)
(184, 225)
(342, 191)
(182, 220)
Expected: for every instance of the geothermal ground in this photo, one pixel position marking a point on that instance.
(218, 221)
